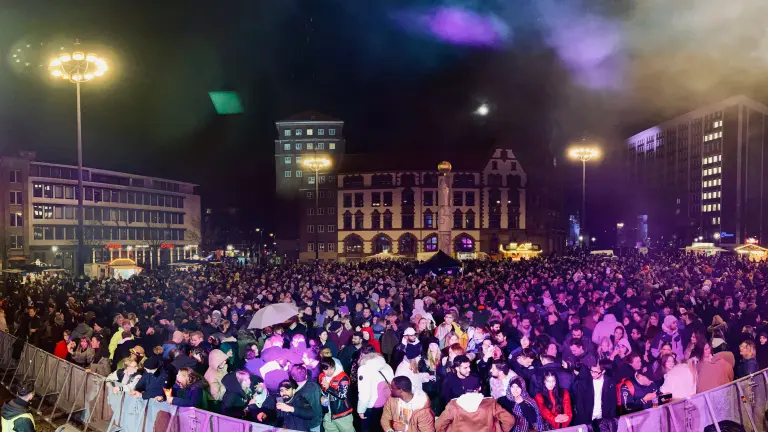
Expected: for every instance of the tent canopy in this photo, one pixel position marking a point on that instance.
(439, 263)
(384, 256)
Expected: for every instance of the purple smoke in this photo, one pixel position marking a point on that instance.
(458, 26)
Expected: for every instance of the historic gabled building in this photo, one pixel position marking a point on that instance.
(370, 203)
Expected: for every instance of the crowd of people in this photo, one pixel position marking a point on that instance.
(523, 346)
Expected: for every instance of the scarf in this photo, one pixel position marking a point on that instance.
(521, 423)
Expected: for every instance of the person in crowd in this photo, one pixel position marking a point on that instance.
(473, 412)
(406, 411)
(714, 370)
(409, 367)
(100, 361)
(61, 349)
(217, 370)
(555, 402)
(15, 414)
(638, 393)
(335, 385)
(461, 381)
(348, 354)
(596, 397)
(294, 411)
(238, 392)
(501, 375)
(326, 342)
(187, 391)
(152, 383)
(80, 352)
(311, 392)
(748, 365)
(373, 378)
(518, 403)
(128, 376)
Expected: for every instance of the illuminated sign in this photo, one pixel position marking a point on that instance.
(751, 240)
(112, 246)
(166, 246)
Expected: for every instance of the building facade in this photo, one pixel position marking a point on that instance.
(147, 219)
(702, 174)
(301, 219)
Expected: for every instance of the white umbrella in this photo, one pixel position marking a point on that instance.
(277, 313)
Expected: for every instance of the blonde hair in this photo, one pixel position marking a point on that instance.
(433, 356)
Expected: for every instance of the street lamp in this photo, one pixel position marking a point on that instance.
(483, 110)
(584, 154)
(54, 249)
(316, 164)
(78, 67)
(261, 240)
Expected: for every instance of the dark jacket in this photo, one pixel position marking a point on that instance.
(746, 368)
(632, 394)
(151, 384)
(347, 357)
(585, 399)
(235, 399)
(338, 393)
(301, 417)
(16, 408)
(311, 392)
(191, 396)
(564, 378)
(453, 386)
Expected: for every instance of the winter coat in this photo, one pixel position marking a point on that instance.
(549, 414)
(373, 378)
(61, 350)
(422, 419)
(680, 381)
(151, 385)
(302, 416)
(312, 393)
(454, 387)
(235, 399)
(747, 367)
(632, 394)
(82, 330)
(101, 367)
(389, 341)
(604, 328)
(214, 375)
(337, 392)
(585, 397)
(714, 373)
(18, 411)
(473, 412)
(190, 396)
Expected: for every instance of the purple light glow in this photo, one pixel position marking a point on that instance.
(457, 26)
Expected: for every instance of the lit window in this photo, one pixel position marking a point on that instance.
(310, 132)
(311, 211)
(287, 147)
(287, 174)
(321, 228)
(703, 207)
(331, 132)
(321, 246)
(288, 159)
(331, 228)
(309, 146)
(321, 146)
(287, 132)
(310, 228)
(311, 247)
(298, 132)
(298, 146)
(299, 174)
(332, 146)
(321, 132)
(298, 160)
(331, 247)
(714, 221)
(311, 180)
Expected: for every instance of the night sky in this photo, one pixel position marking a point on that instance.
(403, 75)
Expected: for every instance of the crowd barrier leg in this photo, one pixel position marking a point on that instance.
(708, 403)
(68, 371)
(47, 387)
(674, 419)
(116, 414)
(78, 392)
(21, 361)
(747, 408)
(92, 409)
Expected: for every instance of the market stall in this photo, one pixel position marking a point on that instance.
(518, 251)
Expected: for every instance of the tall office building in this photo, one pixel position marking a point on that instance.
(702, 174)
(306, 135)
(147, 219)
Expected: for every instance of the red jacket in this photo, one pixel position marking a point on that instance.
(372, 339)
(61, 350)
(550, 414)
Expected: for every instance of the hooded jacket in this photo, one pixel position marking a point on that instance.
(214, 376)
(373, 378)
(421, 420)
(235, 399)
(680, 381)
(473, 412)
(151, 384)
(667, 334)
(17, 412)
(604, 328)
(337, 392)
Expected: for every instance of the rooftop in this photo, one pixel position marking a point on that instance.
(309, 116)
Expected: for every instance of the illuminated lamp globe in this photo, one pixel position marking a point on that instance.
(444, 167)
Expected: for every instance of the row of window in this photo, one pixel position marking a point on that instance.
(430, 180)
(321, 211)
(716, 220)
(712, 136)
(15, 197)
(407, 244)
(58, 191)
(710, 207)
(711, 171)
(309, 146)
(710, 195)
(93, 234)
(331, 247)
(406, 199)
(710, 183)
(71, 174)
(321, 228)
(309, 132)
(717, 124)
(99, 214)
(712, 159)
(16, 241)
(322, 194)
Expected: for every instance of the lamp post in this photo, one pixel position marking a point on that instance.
(316, 164)
(78, 68)
(584, 154)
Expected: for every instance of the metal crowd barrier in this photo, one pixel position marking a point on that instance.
(86, 401)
